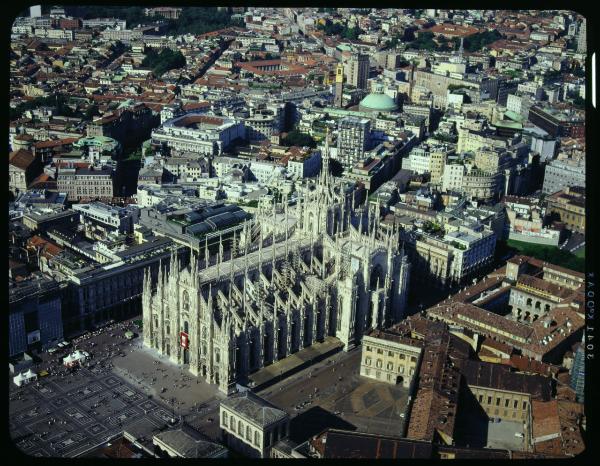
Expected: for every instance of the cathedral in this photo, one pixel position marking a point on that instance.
(297, 274)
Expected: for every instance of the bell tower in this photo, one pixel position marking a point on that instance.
(339, 85)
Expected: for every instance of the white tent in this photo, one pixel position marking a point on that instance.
(81, 355)
(24, 378)
(75, 358)
(18, 379)
(30, 375)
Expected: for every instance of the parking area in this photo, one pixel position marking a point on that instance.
(335, 391)
(70, 411)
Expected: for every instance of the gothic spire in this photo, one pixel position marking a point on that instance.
(286, 232)
(260, 243)
(325, 159)
(206, 253)
(193, 263)
(220, 247)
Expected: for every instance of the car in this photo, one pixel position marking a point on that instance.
(402, 414)
(52, 350)
(61, 345)
(519, 434)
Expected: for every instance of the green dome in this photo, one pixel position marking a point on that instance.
(378, 103)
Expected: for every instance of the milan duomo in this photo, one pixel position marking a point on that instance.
(296, 276)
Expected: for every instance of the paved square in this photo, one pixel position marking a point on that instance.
(45, 391)
(59, 402)
(148, 405)
(66, 413)
(96, 429)
(124, 417)
(162, 415)
(111, 382)
(342, 396)
(502, 435)
(78, 416)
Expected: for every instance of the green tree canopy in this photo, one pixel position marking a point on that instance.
(91, 112)
(193, 20)
(296, 138)
(58, 101)
(163, 61)
(337, 29)
(477, 41)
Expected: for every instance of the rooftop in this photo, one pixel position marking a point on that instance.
(499, 377)
(189, 444)
(378, 102)
(254, 409)
(21, 159)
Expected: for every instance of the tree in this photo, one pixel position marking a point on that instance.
(296, 138)
(424, 41)
(337, 29)
(91, 112)
(552, 76)
(163, 61)
(195, 20)
(477, 41)
(579, 102)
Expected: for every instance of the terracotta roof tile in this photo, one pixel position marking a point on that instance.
(21, 159)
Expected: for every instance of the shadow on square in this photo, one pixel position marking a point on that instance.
(472, 423)
(314, 421)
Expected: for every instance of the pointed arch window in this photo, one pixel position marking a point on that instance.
(186, 301)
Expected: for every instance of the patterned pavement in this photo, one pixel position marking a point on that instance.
(64, 417)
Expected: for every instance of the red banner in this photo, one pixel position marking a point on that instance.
(184, 340)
